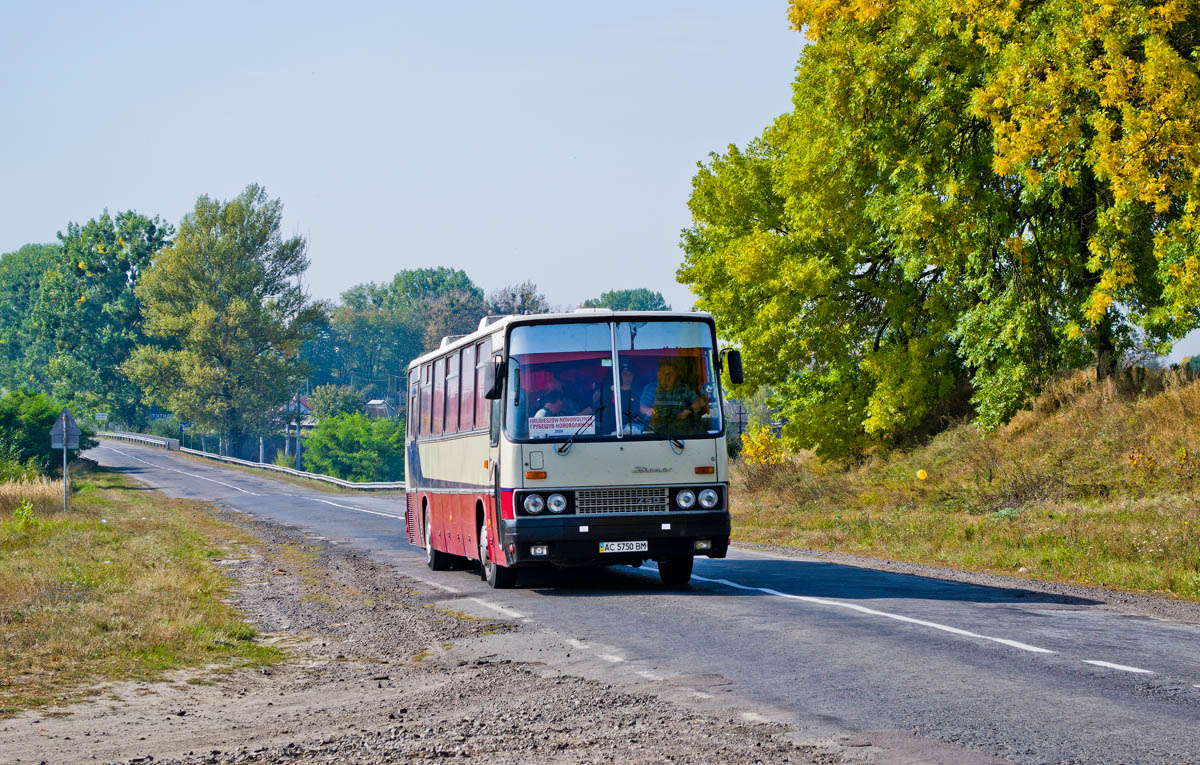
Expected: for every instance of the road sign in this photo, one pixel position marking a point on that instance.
(101, 416)
(65, 432)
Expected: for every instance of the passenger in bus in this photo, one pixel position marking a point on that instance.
(553, 405)
(570, 405)
(671, 405)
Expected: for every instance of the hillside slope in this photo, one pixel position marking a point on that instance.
(1096, 484)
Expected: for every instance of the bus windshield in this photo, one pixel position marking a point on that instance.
(562, 382)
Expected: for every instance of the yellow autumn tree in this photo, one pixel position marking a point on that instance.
(968, 197)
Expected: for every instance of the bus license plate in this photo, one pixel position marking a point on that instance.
(624, 547)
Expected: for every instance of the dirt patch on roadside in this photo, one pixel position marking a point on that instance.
(371, 681)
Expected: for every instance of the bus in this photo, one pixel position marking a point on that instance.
(572, 439)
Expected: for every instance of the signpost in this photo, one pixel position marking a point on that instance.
(65, 435)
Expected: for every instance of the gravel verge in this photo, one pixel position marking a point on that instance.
(372, 680)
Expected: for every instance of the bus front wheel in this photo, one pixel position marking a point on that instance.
(675, 572)
(498, 577)
(435, 559)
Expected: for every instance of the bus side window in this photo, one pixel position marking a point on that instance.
(483, 355)
(494, 424)
(467, 409)
(439, 397)
(414, 406)
(452, 393)
(426, 398)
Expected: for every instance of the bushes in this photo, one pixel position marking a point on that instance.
(25, 422)
(356, 448)
(164, 427)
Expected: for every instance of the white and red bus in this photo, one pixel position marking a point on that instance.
(587, 438)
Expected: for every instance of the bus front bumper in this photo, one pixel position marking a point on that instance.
(575, 540)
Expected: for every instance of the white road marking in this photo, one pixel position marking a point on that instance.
(699, 694)
(755, 717)
(1121, 667)
(655, 678)
(352, 507)
(511, 614)
(575, 643)
(611, 658)
(182, 472)
(423, 580)
(875, 612)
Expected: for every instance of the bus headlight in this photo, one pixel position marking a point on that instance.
(686, 499)
(534, 504)
(709, 499)
(557, 503)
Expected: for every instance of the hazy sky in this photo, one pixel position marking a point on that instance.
(552, 141)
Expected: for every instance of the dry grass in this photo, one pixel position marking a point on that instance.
(122, 586)
(43, 494)
(1096, 484)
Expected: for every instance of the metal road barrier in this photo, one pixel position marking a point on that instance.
(170, 444)
(173, 445)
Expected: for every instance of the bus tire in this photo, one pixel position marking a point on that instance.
(498, 577)
(435, 559)
(675, 572)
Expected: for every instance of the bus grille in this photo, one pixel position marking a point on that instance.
(647, 500)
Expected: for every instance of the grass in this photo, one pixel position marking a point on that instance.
(1095, 484)
(122, 586)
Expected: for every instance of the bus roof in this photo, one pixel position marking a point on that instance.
(490, 325)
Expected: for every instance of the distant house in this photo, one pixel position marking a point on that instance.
(378, 408)
(299, 410)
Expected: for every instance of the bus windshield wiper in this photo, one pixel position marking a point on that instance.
(565, 446)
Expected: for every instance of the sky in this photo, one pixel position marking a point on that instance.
(544, 141)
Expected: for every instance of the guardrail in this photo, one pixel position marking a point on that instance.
(170, 444)
(166, 443)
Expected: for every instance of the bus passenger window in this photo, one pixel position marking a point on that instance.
(439, 396)
(452, 394)
(426, 398)
(414, 406)
(467, 408)
(483, 355)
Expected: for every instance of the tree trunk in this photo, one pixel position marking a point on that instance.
(1106, 349)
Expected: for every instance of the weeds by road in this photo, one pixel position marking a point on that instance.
(122, 586)
(1096, 484)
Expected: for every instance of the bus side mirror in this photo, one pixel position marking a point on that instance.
(734, 358)
(493, 380)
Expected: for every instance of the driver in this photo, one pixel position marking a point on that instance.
(670, 404)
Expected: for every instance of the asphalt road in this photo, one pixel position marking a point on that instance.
(922, 669)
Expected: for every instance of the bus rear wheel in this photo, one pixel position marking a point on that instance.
(435, 559)
(675, 572)
(498, 577)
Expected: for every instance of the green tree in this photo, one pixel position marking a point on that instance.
(229, 293)
(640, 299)
(329, 400)
(25, 422)
(356, 448)
(88, 319)
(378, 328)
(522, 298)
(21, 274)
(889, 249)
